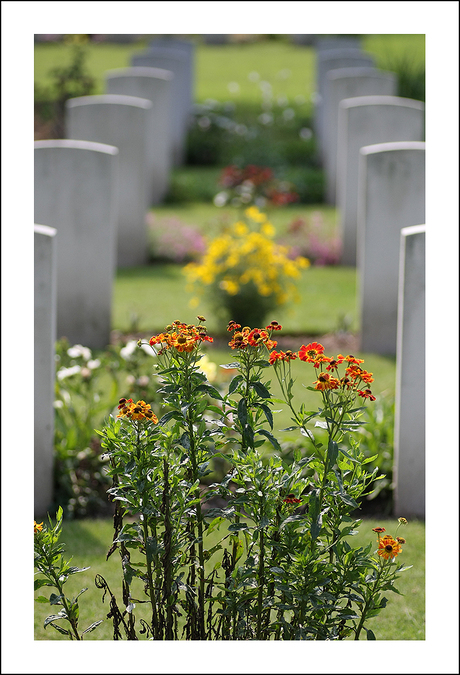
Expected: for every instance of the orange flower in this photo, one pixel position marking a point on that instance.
(388, 547)
(281, 356)
(310, 352)
(334, 363)
(400, 540)
(180, 336)
(378, 529)
(350, 359)
(366, 393)
(38, 527)
(255, 337)
(326, 381)
(274, 325)
(136, 411)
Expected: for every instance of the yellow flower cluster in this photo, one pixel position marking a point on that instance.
(248, 253)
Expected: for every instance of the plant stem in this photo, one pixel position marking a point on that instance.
(154, 622)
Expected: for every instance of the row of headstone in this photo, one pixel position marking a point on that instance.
(92, 192)
(391, 296)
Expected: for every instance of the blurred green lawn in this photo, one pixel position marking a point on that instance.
(290, 69)
(89, 540)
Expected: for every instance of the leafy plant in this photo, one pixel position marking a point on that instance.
(55, 571)
(284, 569)
(245, 273)
(86, 389)
(68, 81)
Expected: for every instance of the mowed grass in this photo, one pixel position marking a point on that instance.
(88, 541)
(289, 68)
(155, 295)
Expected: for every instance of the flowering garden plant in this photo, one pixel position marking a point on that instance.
(245, 273)
(283, 566)
(255, 185)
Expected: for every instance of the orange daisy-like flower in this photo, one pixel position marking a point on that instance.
(136, 411)
(388, 547)
(310, 352)
(291, 499)
(326, 381)
(378, 529)
(180, 336)
(334, 363)
(360, 374)
(281, 356)
(400, 540)
(38, 527)
(274, 325)
(366, 393)
(350, 359)
(247, 337)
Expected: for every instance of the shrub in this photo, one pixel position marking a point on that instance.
(245, 273)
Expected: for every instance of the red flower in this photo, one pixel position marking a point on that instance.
(291, 499)
(310, 352)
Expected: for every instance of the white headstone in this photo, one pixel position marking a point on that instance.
(153, 84)
(391, 197)
(409, 438)
(368, 120)
(328, 42)
(124, 122)
(44, 365)
(333, 59)
(341, 84)
(76, 192)
(178, 63)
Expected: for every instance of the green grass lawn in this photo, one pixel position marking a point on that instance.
(150, 297)
(290, 69)
(88, 542)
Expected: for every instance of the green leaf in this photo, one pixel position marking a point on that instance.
(260, 389)
(237, 527)
(231, 366)
(268, 414)
(270, 437)
(55, 599)
(209, 389)
(243, 412)
(41, 598)
(234, 383)
(92, 627)
(38, 583)
(332, 453)
(370, 634)
(323, 425)
(63, 631)
(54, 617)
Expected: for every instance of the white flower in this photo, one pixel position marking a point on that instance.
(220, 199)
(93, 363)
(78, 350)
(62, 373)
(58, 404)
(128, 349)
